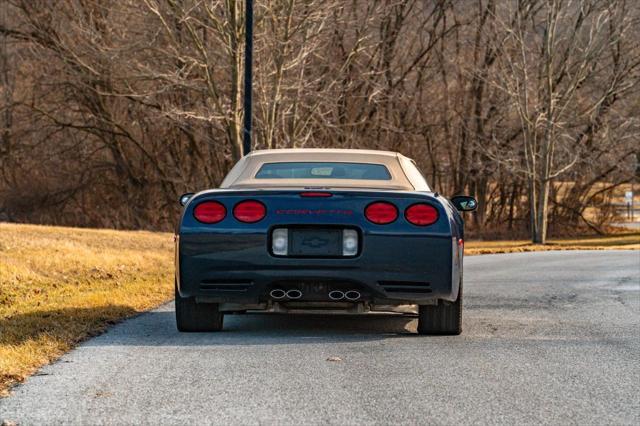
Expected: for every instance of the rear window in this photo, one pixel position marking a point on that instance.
(314, 170)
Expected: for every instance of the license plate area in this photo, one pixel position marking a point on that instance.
(317, 242)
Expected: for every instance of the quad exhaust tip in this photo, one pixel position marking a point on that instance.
(352, 295)
(294, 294)
(336, 295)
(278, 294)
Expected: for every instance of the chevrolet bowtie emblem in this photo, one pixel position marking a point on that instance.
(314, 242)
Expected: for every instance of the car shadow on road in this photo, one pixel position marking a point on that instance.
(158, 328)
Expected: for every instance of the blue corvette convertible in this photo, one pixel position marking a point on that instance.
(321, 230)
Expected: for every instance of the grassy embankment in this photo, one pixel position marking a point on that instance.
(59, 286)
(629, 241)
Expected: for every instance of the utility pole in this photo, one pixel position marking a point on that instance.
(248, 76)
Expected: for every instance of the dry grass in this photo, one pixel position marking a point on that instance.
(613, 242)
(60, 285)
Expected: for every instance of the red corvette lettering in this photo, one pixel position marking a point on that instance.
(314, 212)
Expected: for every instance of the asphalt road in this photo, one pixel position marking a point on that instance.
(549, 338)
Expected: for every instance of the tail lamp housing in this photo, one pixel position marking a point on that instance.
(209, 212)
(421, 214)
(381, 212)
(249, 211)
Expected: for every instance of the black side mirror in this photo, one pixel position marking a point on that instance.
(464, 203)
(184, 198)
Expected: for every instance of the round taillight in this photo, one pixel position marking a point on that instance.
(249, 211)
(209, 212)
(381, 212)
(421, 214)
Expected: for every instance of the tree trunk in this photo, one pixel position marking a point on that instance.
(533, 207)
(540, 234)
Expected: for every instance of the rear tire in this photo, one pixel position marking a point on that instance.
(197, 317)
(444, 319)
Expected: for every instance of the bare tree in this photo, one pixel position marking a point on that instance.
(109, 110)
(551, 53)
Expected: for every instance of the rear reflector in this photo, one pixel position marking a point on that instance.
(421, 214)
(209, 212)
(381, 212)
(249, 211)
(316, 194)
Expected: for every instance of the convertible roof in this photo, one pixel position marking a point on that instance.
(243, 173)
(306, 152)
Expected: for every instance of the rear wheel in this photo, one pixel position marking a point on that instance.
(444, 319)
(197, 317)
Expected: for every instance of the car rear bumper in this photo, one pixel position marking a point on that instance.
(391, 269)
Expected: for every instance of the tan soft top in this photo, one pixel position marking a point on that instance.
(243, 173)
